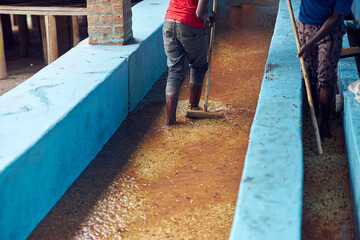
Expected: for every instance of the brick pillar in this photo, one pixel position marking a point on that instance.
(109, 22)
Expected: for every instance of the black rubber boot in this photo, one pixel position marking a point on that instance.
(326, 100)
(195, 94)
(171, 105)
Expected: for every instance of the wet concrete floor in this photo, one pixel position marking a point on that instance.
(180, 182)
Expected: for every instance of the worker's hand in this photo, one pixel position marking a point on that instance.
(211, 18)
(305, 50)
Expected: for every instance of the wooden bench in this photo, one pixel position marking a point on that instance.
(350, 52)
(47, 11)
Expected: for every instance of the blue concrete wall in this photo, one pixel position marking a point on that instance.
(356, 9)
(351, 118)
(148, 17)
(269, 202)
(54, 124)
(51, 126)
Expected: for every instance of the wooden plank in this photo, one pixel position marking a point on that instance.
(42, 2)
(47, 31)
(35, 20)
(39, 10)
(51, 37)
(7, 30)
(23, 35)
(75, 30)
(3, 73)
(13, 19)
(43, 39)
(350, 52)
(47, 3)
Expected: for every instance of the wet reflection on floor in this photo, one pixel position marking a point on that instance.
(326, 197)
(180, 182)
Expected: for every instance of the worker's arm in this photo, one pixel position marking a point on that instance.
(330, 24)
(201, 10)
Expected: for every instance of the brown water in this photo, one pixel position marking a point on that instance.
(180, 182)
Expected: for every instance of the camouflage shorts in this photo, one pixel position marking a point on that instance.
(322, 62)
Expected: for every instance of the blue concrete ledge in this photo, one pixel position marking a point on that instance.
(269, 202)
(50, 130)
(54, 124)
(351, 120)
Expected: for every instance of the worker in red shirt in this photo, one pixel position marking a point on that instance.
(184, 36)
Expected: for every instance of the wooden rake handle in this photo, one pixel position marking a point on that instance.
(212, 39)
(306, 80)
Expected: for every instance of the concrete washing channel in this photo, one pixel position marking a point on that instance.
(49, 132)
(270, 195)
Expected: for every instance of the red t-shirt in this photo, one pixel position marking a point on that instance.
(185, 12)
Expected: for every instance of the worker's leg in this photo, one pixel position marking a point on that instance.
(171, 105)
(175, 61)
(326, 101)
(329, 55)
(307, 32)
(195, 44)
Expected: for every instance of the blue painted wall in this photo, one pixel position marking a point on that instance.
(51, 127)
(269, 203)
(145, 67)
(351, 117)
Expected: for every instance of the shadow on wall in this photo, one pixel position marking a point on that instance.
(135, 2)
